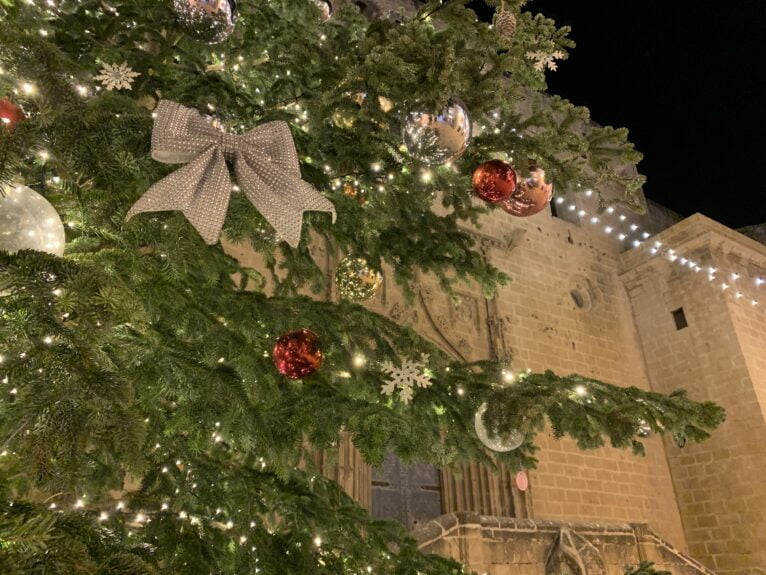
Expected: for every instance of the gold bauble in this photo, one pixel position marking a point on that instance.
(356, 280)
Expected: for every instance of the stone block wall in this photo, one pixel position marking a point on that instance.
(566, 309)
(720, 356)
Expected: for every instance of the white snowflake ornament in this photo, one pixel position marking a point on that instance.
(545, 60)
(412, 373)
(117, 77)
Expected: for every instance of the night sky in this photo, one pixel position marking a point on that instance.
(688, 79)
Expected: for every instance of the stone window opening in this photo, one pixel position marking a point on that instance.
(679, 317)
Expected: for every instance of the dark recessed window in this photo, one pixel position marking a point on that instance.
(680, 318)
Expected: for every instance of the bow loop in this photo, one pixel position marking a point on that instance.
(265, 163)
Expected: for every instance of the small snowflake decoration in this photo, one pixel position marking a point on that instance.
(412, 373)
(117, 77)
(545, 60)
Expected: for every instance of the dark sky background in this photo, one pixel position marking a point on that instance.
(688, 79)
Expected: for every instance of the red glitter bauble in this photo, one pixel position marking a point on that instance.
(297, 354)
(494, 181)
(531, 195)
(10, 114)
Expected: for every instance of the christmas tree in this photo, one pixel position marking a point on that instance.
(159, 404)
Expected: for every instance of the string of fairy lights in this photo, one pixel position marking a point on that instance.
(733, 279)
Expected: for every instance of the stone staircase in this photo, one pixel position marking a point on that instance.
(506, 546)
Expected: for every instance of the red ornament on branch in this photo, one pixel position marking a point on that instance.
(297, 354)
(10, 114)
(531, 195)
(494, 181)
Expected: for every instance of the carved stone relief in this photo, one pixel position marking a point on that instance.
(582, 292)
(572, 554)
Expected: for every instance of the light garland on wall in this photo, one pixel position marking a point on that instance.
(725, 281)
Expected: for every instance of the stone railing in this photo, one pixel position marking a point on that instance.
(505, 546)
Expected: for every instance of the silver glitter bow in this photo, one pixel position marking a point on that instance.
(265, 164)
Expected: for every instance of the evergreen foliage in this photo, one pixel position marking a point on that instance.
(137, 369)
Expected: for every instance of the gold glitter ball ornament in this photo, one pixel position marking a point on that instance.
(356, 280)
(208, 21)
(500, 442)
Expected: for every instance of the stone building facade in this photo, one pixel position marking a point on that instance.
(675, 311)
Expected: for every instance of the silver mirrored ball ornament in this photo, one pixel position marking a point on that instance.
(500, 442)
(29, 222)
(209, 21)
(437, 138)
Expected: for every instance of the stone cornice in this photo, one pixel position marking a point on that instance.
(694, 233)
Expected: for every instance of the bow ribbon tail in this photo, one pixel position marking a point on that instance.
(280, 196)
(200, 190)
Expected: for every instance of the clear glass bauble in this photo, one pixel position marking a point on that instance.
(29, 222)
(500, 442)
(208, 21)
(437, 138)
